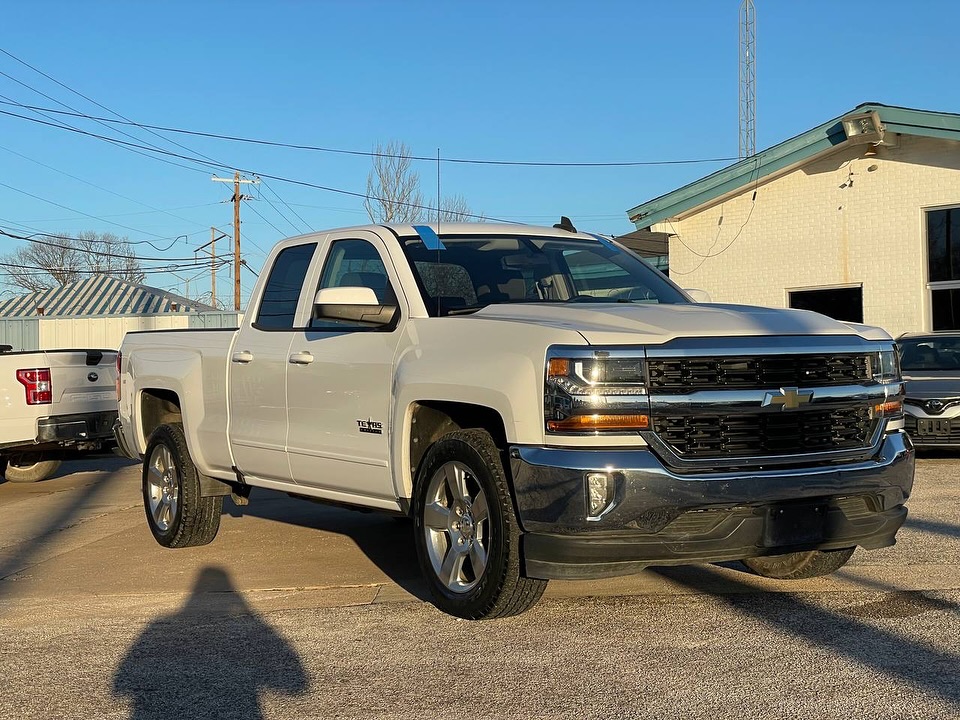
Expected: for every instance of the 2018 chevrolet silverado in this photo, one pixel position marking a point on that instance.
(541, 402)
(53, 405)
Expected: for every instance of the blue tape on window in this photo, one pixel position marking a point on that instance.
(605, 242)
(429, 237)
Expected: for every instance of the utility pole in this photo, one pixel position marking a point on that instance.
(237, 197)
(214, 236)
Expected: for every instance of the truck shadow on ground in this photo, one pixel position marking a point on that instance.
(100, 462)
(22, 555)
(197, 661)
(852, 631)
(386, 541)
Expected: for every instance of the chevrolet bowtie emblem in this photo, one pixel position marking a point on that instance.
(789, 398)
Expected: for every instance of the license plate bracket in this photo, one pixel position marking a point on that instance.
(935, 427)
(795, 524)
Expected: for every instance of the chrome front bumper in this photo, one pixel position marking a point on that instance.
(659, 516)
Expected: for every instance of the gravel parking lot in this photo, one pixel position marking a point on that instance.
(301, 610)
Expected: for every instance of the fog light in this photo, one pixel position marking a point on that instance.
(600, 494)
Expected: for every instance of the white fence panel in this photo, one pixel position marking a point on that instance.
(102, 332)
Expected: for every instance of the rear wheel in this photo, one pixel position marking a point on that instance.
(467, 535)
(177, 514)
(799, 565)
(27, 469)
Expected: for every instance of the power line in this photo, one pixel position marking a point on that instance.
(91, 100)
(87, 252)
(158, 210)
(98, 187)
(104, 122)
(361, 153)
(80, 212)
(260, 215)
(297, 228)
(279, 178)
(46, 271)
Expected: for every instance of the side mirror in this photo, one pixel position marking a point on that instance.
(352, 304)
(697, 295)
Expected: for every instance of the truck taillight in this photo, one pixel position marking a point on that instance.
(117, 383)
(37, 384)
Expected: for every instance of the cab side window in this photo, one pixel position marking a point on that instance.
(283, 288)
(354, 263)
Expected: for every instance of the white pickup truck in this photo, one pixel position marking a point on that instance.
(54, 404)
(541, 402)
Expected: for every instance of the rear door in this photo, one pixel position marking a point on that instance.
(257, 369)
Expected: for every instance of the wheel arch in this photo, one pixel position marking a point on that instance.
(426, 421)
(157, 406)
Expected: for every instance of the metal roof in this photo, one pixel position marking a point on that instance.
(789, 153)
(98, 295)
(646, 243)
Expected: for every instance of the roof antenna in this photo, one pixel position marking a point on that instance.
(565, 224)
(437, 270)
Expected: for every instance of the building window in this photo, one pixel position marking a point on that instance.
(845, 304)
(943, 267)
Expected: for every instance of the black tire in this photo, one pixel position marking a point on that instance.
(799, 565)
(177, 514)
(28, 470)
(488, 581)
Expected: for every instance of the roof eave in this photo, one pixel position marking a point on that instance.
(794, 151)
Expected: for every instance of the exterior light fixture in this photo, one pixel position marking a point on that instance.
(864, 128)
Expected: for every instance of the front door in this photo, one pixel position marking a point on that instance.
(340, 384)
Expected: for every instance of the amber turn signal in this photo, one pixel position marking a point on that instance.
(584, 423)
(558, 367)
(890, 407)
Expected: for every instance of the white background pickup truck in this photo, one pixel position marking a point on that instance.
(541, 402)
(53, 404)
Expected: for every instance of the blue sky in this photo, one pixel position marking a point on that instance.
(523, 80)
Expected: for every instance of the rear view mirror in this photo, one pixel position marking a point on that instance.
(352, 304)
(697, 295)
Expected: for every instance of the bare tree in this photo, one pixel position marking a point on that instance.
(51, 260)
(393, 191)
(456, 209)
(393, 187)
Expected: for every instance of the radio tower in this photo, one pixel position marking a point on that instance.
(748, 79)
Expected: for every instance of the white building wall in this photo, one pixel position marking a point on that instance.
(844, 219)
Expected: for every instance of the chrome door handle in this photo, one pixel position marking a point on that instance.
(301, 358)
(242, 357)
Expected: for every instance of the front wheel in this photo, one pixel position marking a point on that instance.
(177, 514)
(467, 535)
(799, 565)
(29, 469)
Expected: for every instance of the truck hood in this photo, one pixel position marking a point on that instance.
(622, 323)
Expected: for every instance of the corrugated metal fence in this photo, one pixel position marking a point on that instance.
(103, 331)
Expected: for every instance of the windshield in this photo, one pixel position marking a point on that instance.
(473, 272)
(929, 353)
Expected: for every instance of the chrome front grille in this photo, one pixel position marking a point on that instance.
(736, 435)
(688, 374)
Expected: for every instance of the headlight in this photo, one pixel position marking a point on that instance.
(886, 370)
(595, 391)
(886, 367)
